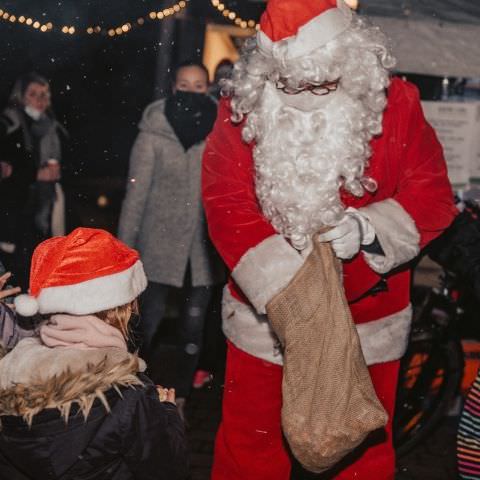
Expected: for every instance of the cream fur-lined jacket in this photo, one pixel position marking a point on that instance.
(71, 414)
(412, 205)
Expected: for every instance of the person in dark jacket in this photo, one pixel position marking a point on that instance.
(74, 403)
(32, 146)
(162, 215)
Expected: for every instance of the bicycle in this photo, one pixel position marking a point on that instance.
(432, 369)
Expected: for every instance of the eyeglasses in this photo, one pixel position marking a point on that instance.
(317, 89)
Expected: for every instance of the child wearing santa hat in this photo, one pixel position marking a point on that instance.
(74, 402)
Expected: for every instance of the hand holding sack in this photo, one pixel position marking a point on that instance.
(329, 403)
(348, 236)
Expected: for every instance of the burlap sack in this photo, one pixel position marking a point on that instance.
(329, 404)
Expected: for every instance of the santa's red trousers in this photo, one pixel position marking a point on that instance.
(249, 443)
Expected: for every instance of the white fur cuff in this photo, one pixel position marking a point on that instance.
(386, 339)
(266, 270)
(396, 232)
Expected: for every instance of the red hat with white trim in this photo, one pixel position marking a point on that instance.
(302, 25)
(85, 272)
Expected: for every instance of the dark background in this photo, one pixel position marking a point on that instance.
(100, 84)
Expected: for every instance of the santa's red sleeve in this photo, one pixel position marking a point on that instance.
(262, 262)
(422, 206)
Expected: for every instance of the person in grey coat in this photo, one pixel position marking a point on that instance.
(162, 214)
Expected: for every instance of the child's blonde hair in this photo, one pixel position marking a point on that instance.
(119, 317)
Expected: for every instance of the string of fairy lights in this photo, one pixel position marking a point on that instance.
(243, 23)
(44, 26)
(126, 27)
(233, 16)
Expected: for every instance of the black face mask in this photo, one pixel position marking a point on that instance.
(191, 116)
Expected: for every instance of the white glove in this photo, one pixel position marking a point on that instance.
(353, 231)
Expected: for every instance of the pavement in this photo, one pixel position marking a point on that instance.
(433, 460)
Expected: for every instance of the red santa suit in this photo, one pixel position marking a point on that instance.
(411, 206)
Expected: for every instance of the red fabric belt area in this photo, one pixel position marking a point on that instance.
(249, 443)
(370, 307)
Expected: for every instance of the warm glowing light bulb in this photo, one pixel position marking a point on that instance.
(71, 30)
(43, 28)
(353, 4)
(36, 25)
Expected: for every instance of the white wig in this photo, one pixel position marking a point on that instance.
(302, 159)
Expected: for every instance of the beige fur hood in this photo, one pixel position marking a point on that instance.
(34, 377)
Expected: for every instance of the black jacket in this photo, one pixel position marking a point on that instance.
(17, 195)
(140, 438)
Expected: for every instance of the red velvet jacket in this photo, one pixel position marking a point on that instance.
(412, 205)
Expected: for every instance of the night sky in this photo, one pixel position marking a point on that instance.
(100, 84)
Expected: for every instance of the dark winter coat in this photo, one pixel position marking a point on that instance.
(162, 214)
(19, 194)
(137, 438)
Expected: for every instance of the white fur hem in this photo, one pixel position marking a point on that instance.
(382, 340)
(314, 34)
(266, 270)
(94, 295)
(248, 330)
(396, 232)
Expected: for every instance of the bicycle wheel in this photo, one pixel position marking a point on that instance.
(430, 375)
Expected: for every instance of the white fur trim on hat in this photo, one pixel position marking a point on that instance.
(314, 34)
(94, 295)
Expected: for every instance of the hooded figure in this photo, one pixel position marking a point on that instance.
(74, 403)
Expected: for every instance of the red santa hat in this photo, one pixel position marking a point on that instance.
(85, 272)
(304, 25)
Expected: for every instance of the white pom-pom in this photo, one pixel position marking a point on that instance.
(26, 305)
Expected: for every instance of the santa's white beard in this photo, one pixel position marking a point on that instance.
(303, 158)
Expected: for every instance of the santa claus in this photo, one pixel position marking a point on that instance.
(315, 132)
